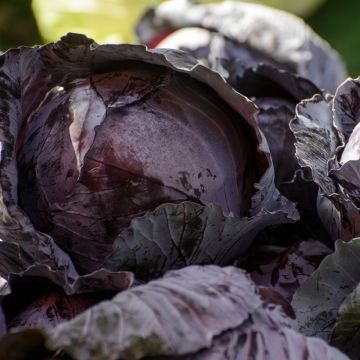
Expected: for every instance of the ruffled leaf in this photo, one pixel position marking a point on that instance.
(347, 106)
(320, 146)
(348, 176)
(317, 139)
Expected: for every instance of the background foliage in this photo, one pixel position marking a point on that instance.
(23, 22)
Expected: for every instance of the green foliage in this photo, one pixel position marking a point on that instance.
(17, 24)
(113, 20)
(337, 22)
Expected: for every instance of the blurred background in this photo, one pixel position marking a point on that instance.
(25, 22)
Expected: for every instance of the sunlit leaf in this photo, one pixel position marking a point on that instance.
(199, 312)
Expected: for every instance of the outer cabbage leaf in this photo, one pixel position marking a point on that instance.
(253, 33)
(197, 312)
(267, 81)
(318, 302)
(175, 236)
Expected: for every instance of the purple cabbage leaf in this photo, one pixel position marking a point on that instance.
(199, 312)
(284, 269)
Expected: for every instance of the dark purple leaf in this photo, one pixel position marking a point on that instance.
(285, 269)
(348, 176)
(273, 119)
(347, 106)
(276, 93)
(52, 309)
(316, 139)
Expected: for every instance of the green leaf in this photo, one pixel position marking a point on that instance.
(346, 335)
(112, 21)
(302, 8)
(106, 21)
(177, 235)
(317, 302)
